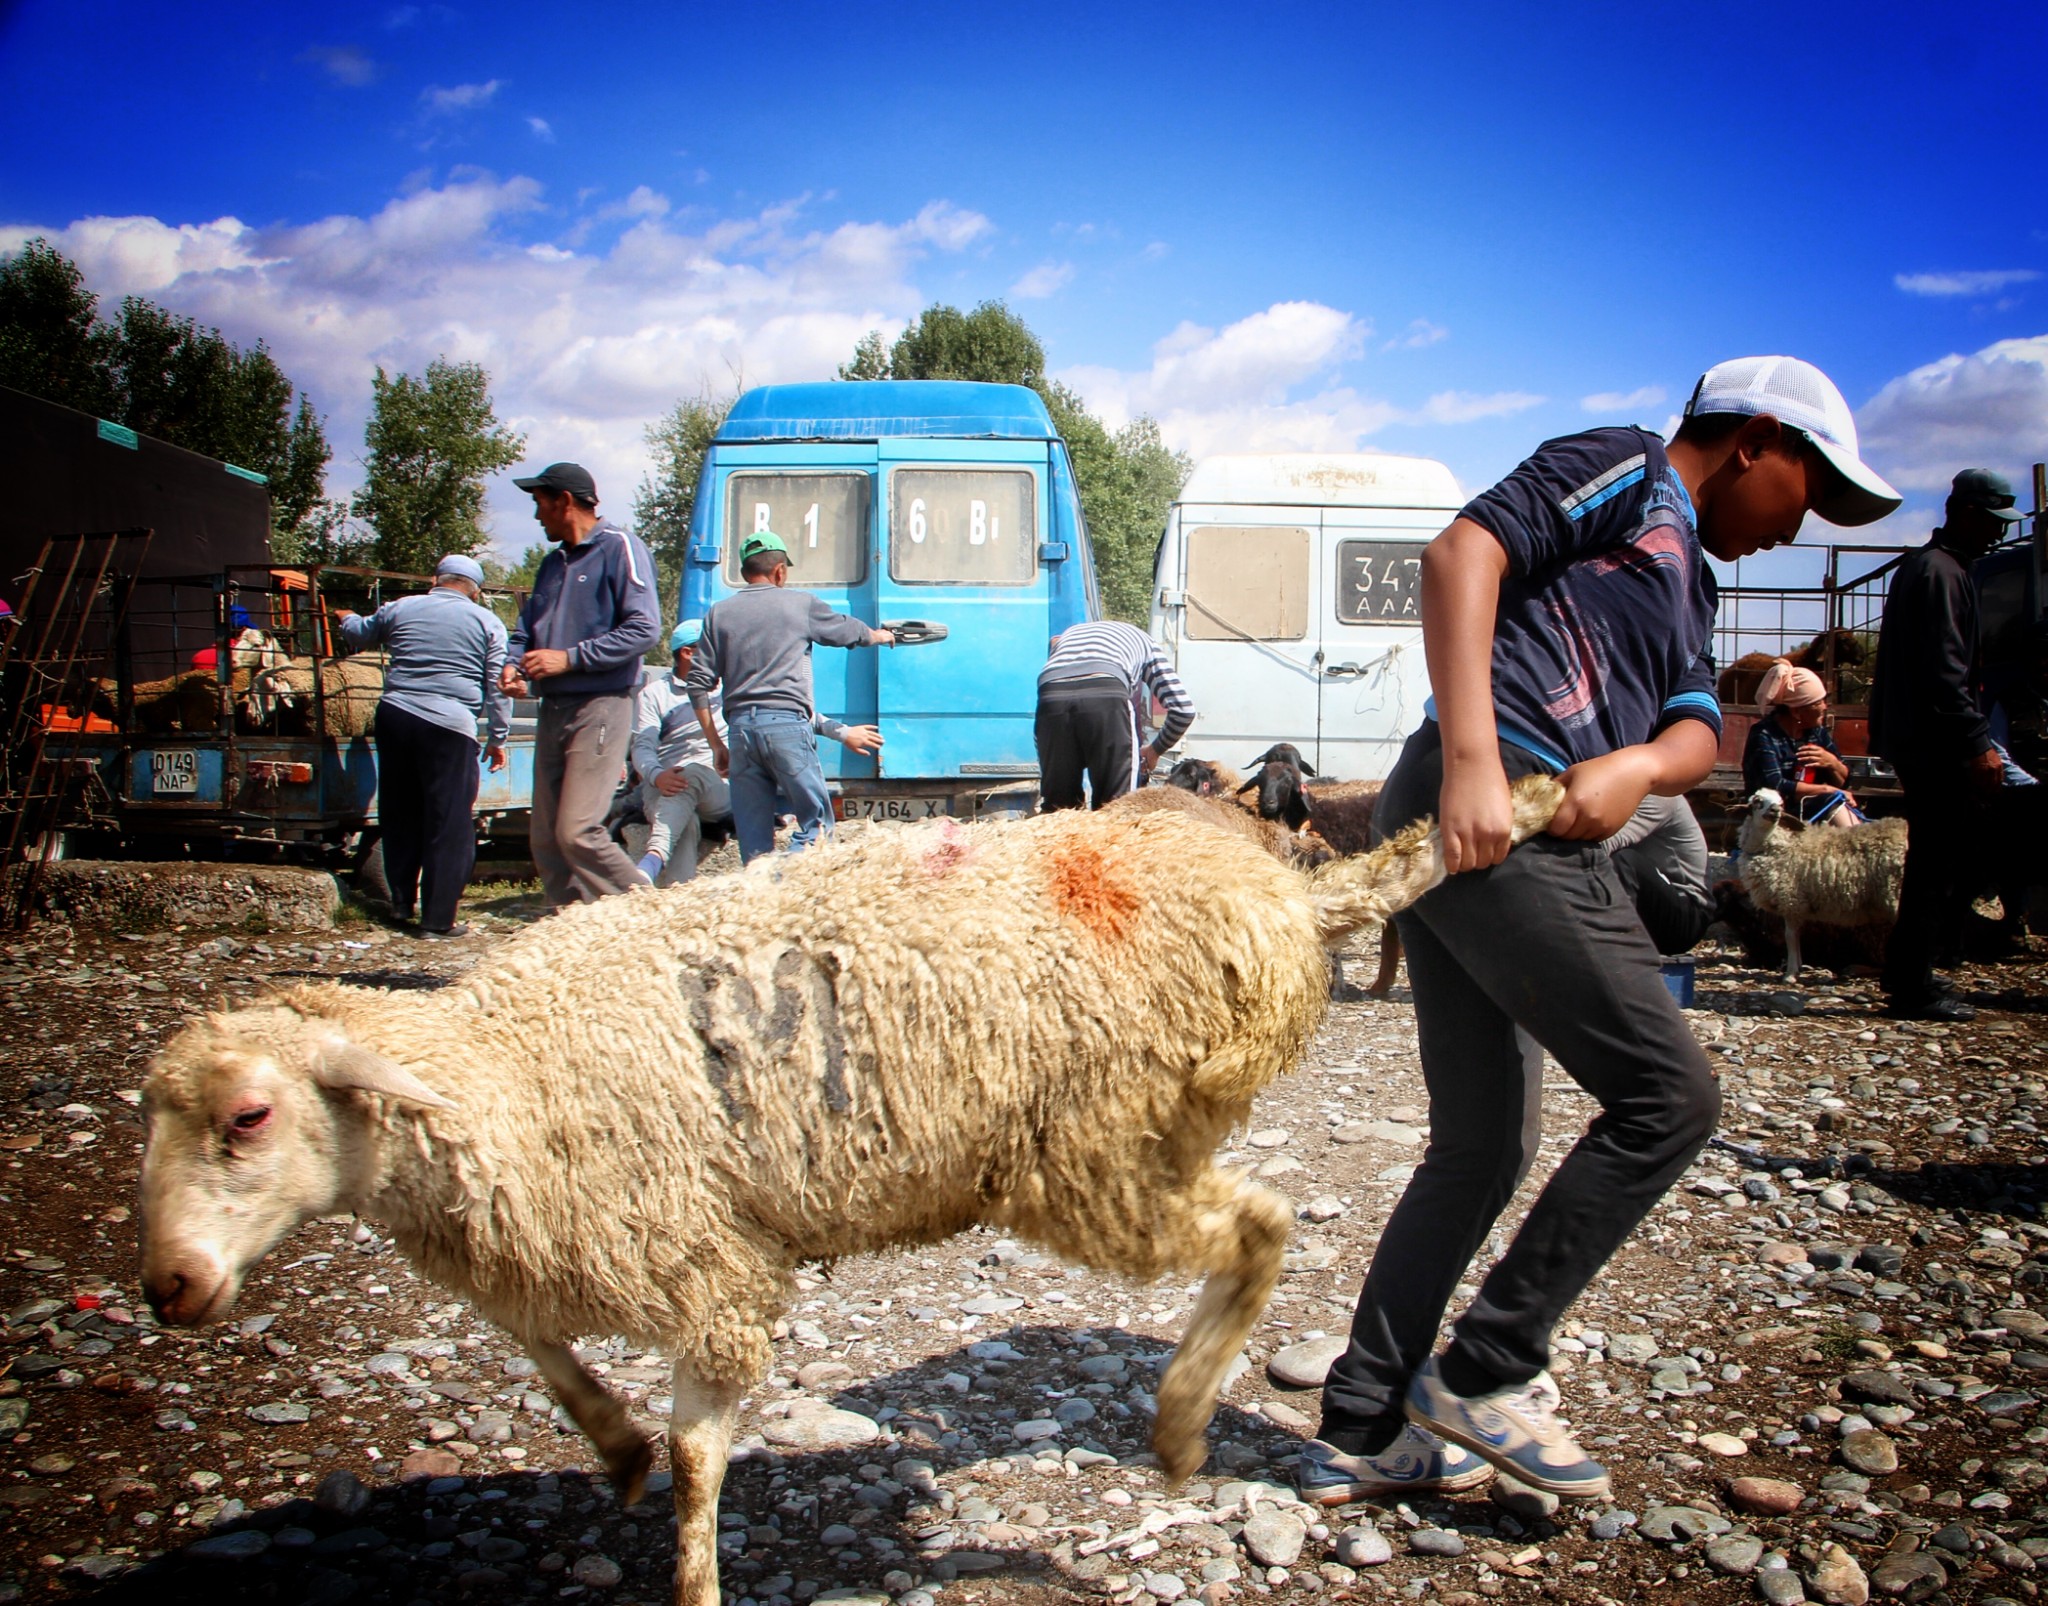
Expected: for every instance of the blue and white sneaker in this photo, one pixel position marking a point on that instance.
(1415, 1463)
(1516, 1429)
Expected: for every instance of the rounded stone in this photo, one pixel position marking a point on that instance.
(1363, 1547)
(1723, 1444)
(1838, 1579)
(1273, 1538)
(828, 1429)
(1437, 1542)
(1735, 1554)
(596, 1572)
(1870, 1453)
(1765, 1497)
(1915, 1574)
(1307, 1365)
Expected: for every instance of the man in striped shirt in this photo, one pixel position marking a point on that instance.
(1089, 696)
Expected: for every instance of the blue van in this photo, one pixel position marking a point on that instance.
(935, 501)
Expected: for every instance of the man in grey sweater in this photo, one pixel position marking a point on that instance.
(447, 654)
(757, 646)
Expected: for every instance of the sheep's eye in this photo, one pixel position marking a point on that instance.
(250, 1120)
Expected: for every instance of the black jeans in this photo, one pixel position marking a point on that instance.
(1085, 724)
(426, 803)
(1543, 950)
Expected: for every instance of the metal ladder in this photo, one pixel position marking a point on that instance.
(69, 622)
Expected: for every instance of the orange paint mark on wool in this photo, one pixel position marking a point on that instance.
(1087, 890)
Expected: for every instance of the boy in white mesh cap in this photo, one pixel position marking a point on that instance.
(1567, 617)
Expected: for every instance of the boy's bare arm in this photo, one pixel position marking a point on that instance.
(1601, 793)
(1461, 574)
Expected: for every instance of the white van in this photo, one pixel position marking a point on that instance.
(1287, 595)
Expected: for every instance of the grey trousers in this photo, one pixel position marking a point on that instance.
(579, 757)
(676, 820)
(1543, 950)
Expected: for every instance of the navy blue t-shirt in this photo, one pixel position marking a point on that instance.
(1605, 627)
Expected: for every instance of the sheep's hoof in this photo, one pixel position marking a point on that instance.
(1180, 1459)
(628, 1466)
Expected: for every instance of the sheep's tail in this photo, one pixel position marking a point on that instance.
(1369, 889)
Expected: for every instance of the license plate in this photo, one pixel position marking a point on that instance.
(176, 771)
(895, 808)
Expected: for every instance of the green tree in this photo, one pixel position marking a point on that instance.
(991, 344)
(1126, 478)
(188, 385)
(870, 359)
(324, 532)
(52, 342)
(667, 497)
(433, 442)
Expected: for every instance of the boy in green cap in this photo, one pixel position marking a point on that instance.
(757, 646)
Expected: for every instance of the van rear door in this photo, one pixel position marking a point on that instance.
(960, 526)
(1246, 643)
(1373, 682)
(821, 500)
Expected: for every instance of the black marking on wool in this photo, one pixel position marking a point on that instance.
(723, 1051)
(803, 988)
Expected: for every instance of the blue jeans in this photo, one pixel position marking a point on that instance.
(775, 765)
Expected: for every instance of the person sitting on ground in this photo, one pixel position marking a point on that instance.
(1790, 743)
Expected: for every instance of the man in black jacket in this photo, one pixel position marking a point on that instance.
(1927, 716)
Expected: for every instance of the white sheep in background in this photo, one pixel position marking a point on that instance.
(1819, 877)
(641, 1116)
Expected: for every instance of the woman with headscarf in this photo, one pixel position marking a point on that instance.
(1791, 752)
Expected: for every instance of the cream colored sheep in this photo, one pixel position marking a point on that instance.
(639, 1117)
(1819, 876)
(282, 698)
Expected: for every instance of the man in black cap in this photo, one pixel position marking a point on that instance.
(579, 644)
(1927, 716)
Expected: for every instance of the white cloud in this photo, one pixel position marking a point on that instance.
(1985, 410)
(543, 130)
(440, 102)
(1623, 401)
(1985, 282)
(1269, 382)
(1048, 278)
(345, 64)
(1154, 251)
(1419, 333)
(584, 345)
(1465, 407)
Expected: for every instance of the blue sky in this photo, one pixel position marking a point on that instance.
(1451, 231)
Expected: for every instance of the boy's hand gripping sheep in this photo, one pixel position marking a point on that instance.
(641, 1116)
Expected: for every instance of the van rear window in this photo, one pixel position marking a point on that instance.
(1379, 582)
(822, 518)
(974, 527)
(1247, 583)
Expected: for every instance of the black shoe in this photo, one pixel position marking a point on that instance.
(459, 929)
(404, 917)
(1930, 1006)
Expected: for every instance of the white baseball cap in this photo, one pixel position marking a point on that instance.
(1800, 396)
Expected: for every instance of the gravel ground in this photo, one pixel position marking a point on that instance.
(1815, 1373)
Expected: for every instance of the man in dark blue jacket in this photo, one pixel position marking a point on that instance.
(579, 644)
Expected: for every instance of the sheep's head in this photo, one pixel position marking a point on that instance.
(1204, 777)
(253, 1125)
(1766, 809)
(1281, 796)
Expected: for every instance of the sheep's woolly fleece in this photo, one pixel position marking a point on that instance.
(662, 1103)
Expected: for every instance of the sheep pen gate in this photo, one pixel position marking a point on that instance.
(219, 718)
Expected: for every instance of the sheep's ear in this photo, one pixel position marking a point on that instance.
(1303, 766)
(340, 1063)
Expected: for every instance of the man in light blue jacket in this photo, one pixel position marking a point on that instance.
(447, 659)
